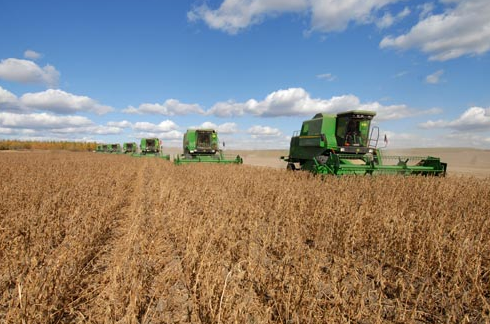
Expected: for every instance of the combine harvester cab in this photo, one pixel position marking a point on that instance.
(202, 146)
(129, 148)
(105, 148)
(345, 144)
(151, 147)
(99, 148)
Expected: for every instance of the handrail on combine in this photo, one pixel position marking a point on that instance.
(374, 130)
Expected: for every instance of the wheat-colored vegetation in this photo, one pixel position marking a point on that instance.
(97, 238)
(46, 145)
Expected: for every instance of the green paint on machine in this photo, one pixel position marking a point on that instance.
(130, 147)
(151, 147)
(202, 146)
(346, 144)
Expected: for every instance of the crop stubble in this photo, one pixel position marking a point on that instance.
(109, 238)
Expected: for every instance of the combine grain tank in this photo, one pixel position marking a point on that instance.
(345, 144)
(202, 145)
(151, 147)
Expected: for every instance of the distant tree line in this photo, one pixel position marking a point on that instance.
(47, 145)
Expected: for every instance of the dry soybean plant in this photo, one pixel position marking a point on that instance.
(98, 238)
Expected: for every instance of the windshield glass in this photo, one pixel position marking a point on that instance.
(204, 140)
(352, 131)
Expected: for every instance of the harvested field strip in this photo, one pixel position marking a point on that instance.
(104, 238)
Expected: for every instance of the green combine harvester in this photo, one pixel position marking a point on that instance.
(114, 148)
(99, 148)
(130, 148)
(345, 144)
(202, 146)
(105, 148)
(150, 147)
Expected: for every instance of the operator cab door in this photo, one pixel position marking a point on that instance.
(353, 130)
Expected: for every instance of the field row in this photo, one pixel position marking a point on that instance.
(102, 238)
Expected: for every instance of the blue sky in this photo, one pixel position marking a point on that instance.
(117, 71)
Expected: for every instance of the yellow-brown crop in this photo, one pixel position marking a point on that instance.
(98, 238)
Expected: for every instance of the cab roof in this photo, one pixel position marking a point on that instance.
(356, 112)
(346, 114)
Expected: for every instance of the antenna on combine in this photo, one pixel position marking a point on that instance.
(386, 141)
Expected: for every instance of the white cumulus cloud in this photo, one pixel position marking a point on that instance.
(164, 126)
(120, 124)
(8, 101)
(425, 9)
(170, 107)
(462, 29)
(228, 128)
(473, 119)
(233, 16)
(32, 55)
(45, 126)
(92, 130)
(388, 19)
(207, 124)
(173, 135)
(335, 15)
(62, 102)
(435, 77)
(259, 131)
(41, 121)
(393, 112)
(225, 128)
(6, 131)
(287, 102)
(327, 76)
(25, 71)
(298, 102)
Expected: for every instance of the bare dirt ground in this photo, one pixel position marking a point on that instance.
(461, 161)
(264, 158)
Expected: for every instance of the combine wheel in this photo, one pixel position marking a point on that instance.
(291, 167)
(322, 159)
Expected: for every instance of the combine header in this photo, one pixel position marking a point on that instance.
(345, 144)
(202, 145)
(150, 147)
(129, 148)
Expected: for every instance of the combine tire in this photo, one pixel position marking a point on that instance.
(291, 167)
